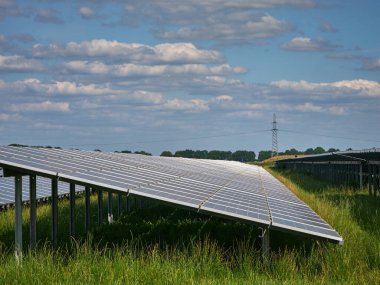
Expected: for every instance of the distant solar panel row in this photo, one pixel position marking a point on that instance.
(7, 189)
(230, 189)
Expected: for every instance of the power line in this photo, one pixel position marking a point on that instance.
(328, 136)
(168, 140)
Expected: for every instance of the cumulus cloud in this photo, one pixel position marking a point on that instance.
(147, 97)
(194, 105)
(244, 114)
(124, 70)
(308, 45)
(46, 106)
(48, 16)
(8, 117)
(86, 12)
(359, 86)
(175, 53)
(239, 27)
(227, 22)
(72, 88)
(16, 63)
(9, 8)
(326, 27)
(371, 64)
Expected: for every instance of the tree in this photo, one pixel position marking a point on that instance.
(188, 153)
(143, 152)
(124, 151)
(292, 151)
(202, 154)
(309, 151)
(319, 150)
(264, 154)
(166, 153)
(219, 155)
(243, 156)
(333, 149)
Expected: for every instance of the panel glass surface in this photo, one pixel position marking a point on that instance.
(224, 188)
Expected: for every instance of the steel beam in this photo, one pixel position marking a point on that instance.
(54, 212)
(264, 239)
(110, 214)
(87, 208)
(18, 217)
(361, 176)
(127, 203)
(72, 210)
(33, 211)
(119, 200)
(100, 207)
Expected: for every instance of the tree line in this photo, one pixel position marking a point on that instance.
(265, 154)
(239, 155)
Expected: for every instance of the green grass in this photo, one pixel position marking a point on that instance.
(163, 245)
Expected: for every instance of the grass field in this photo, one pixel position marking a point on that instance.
(162, 245)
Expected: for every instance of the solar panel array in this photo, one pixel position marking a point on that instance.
(43, 191)
(229, 189)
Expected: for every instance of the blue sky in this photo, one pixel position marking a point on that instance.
(169, 75)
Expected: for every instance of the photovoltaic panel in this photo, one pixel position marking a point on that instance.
(234, 190)
(43, 190)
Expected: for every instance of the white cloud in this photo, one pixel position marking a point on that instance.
(337, 110)
(46, 106)
(176, 53)
(308, 44)
(86, 12)
(194, 105)
(16, 63)
(147, 97)
(308, 107)
(222, 99)
(67, 87)
(4, 117)
(227, 22)
(371, 64)
(48, 16)
(244, 114)
(243, 27)
(326, 27)
(124, 70)
(359, 86)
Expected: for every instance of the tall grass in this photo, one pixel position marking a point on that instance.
(162, 245)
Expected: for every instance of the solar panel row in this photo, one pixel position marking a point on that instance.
(233, 190)
(7, 189)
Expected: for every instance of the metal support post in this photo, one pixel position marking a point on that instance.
(119, 200)
(33, 213)
(100, 207)
(18, 217)
(375, 180)
(264, 237)
(72, 210)
(54, 211)
(127, 203)
(87, 208)
(370, 178)
(110, 215)
(361, 176)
